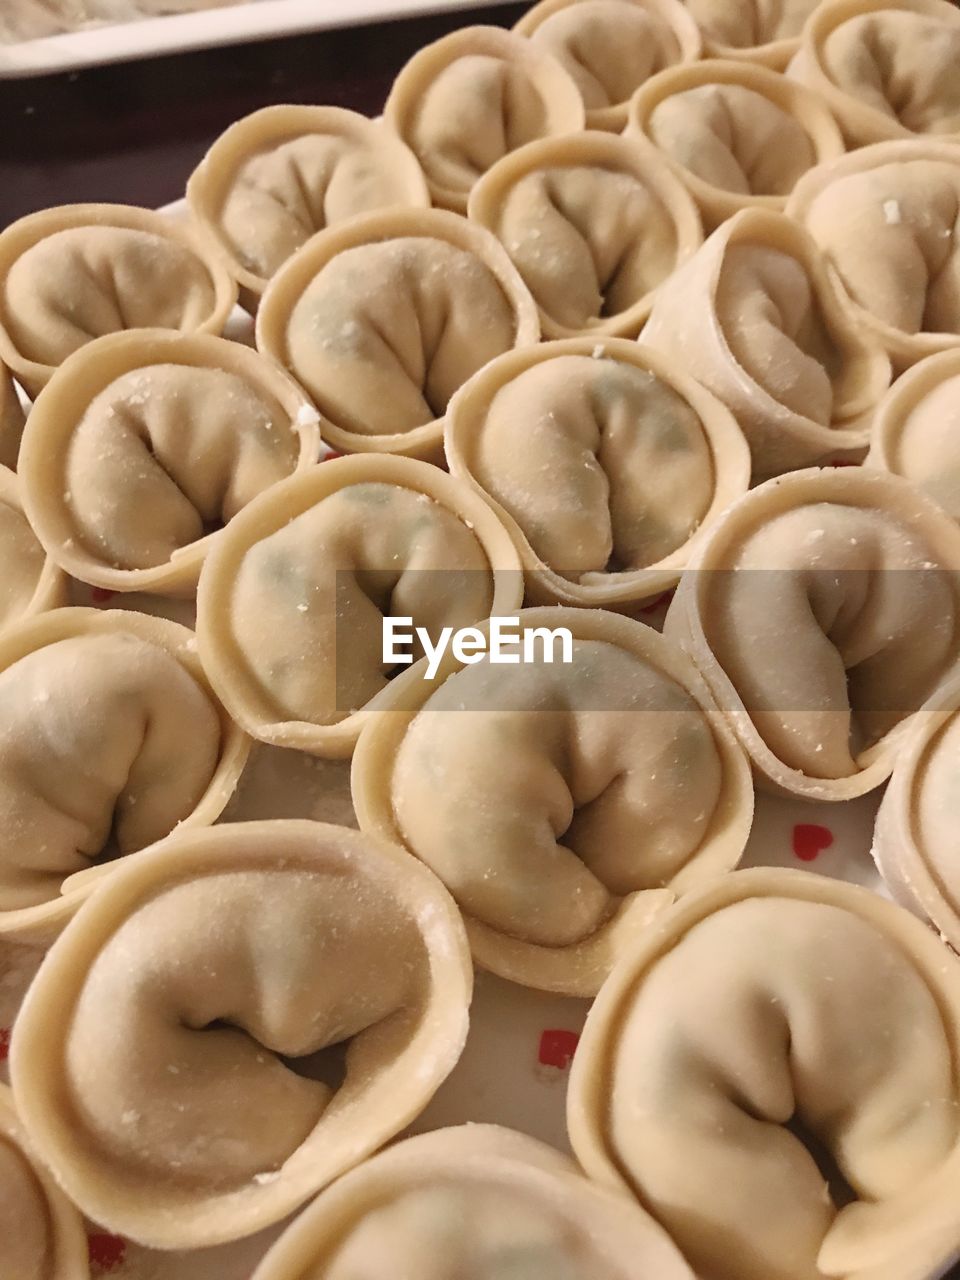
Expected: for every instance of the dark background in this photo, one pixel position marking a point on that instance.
(133, 132)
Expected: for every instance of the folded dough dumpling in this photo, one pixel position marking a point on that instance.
(738, 135)
(773, 1072)
(292, 600)
(77, 272)
(383, 318)
(611, 47)
(42, 1233)
(916, 432)
(277, 176)
(751, 30)
(30, 582)
(823, 609)
(594, 224)
(235, 1019)
(476, 1201)
(144, 445)
(551, 796)
(605, 462)
(915, 840)
(887, 217)
(465, 101)
(11, 420)
(887, 68)
(110, 737)
(756, 317)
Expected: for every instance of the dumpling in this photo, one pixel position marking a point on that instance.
(594, 224)
(611, 47)
(110, 737)
(11, 420)
(915, 841)
(756, 317)
(292, 599)
(772, 1072)
(383, 318)
(235, 1019)
(472, 1203)
(465, 101)
(29, 582)
(561, 802)
(887, 218)
(739, 136)
(144, 445)
(77, 272)
(823, 609)
(42, 1233)
(751, 30)
(887, 68)
(277, 176)
(916, 432)
(605, 462)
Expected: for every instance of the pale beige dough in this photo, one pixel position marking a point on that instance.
(384, 318)
(145, 444)
(887, 68)
(549, 797)
(756, 317)
(11, 420)
(35, 19)
(611, 47)
(465, 101)
(887, 218)
(29, 582)
(738, 135)
(823, 609)
(42, 1233)
(169, 1058)
(73, 273)
(758, 31)
(593, 224)
(774, 1073)
(292, 600)
(605, 462)
(110, 738)
(916, 432)
(472, 1203)
(278, 176)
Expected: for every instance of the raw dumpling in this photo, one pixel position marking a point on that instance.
(887, 68)
(277, 176)
(611, 47)
(472, 1203)
(552, 796)
(110, 738)
(383, 318)
(823, 609)
(757, 319)
(751, 30)
(605, 462)
(235, 1019)
(292, 600)
(29, 581)
(916, 433)
(42, 1233)
(77, 272)
(773, 1073)
(468, 99)
(739, 136)
(145, 444)
(915, 842)
(887, 218)
(594, 224)
(11, 420)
